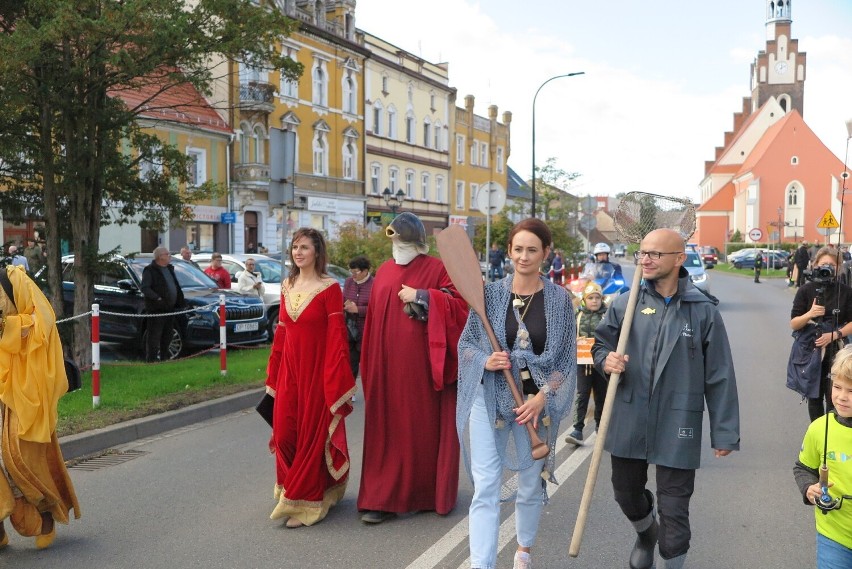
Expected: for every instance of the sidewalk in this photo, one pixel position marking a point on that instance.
(91, 442)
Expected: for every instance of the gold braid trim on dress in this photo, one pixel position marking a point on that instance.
(308, 512)
(337, 474)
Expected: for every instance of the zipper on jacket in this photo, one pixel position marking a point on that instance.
(654, 362)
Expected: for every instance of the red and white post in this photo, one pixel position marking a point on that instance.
(223, 338)
(96, 355)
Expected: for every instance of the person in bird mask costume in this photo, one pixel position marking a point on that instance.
(409, 368)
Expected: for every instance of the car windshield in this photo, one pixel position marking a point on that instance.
(270, 271)
(692, 260)
(598, 271)
(188, 275)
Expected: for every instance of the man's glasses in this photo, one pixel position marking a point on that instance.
(655, 255)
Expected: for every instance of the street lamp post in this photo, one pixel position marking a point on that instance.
(393, 200)
(533, 128)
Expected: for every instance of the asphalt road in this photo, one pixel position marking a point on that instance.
(201, 496)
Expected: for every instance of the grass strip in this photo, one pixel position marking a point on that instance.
(136, 389)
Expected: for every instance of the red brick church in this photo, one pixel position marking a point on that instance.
(772, 169)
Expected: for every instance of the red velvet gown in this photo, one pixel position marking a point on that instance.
(409, 372)
(313, 384)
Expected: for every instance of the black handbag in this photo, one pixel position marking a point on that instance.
(72, 372)
(264, 408)
(354, 333)
(74, 377)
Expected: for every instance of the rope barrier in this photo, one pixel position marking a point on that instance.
(96, 313)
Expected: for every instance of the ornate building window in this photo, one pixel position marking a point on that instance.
(375, 178)
(459, 195)
(427, 133)
(392, 126)
(439, 190)
(350, 102)
(409, 184)
(424, 186)
(377, 118)
(319, 76)
(320, 149)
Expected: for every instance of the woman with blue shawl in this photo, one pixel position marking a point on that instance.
(533, 321)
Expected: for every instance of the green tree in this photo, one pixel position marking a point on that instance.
(71, 148)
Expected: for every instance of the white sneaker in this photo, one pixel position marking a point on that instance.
(522, 560)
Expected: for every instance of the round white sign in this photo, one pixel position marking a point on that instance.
(491, 198)
(755, 234)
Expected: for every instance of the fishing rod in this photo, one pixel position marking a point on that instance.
(825, 502)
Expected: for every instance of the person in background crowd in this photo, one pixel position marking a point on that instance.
(34, 254)
(409, 373)
(496, 257)
(557, 268)
(677, 363)
(356, 297)
(589, 379)
(35, 489)
(163, 295)
(601, 252)
(309, 377)
(251, 249)
(533, 320)
(758, 264)
(17, 259)
(249, 281)
(217, 272)
(814, 302)
(801, 259)
(186, 255)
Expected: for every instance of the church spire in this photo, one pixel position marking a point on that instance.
(778, 15)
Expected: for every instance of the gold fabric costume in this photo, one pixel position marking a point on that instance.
(32, 379)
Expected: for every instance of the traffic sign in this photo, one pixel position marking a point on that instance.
(828, 221)
(755, 234)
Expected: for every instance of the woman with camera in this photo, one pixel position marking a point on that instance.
(814, 303)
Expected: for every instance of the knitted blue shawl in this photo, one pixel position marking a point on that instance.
(556, 367)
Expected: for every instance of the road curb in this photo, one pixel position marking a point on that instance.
(91, 442)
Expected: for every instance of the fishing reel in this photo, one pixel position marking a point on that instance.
(826, 503)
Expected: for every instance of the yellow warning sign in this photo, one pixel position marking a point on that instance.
(828, 221)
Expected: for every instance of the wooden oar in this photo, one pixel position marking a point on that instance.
(463, 268)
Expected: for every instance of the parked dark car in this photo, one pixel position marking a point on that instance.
(778, 260)
(710, 256)
(118, 290)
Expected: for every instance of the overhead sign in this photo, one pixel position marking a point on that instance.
(755, 234)
(828, 221)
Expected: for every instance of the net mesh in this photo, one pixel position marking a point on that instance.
(640, 213)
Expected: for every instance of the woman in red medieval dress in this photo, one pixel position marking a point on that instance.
(310, 378)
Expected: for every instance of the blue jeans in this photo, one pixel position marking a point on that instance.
(495, 273)
(487, 469)
(832, 555)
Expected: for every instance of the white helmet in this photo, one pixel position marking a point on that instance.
(601, 248)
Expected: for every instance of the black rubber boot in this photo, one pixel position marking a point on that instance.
(642, 556)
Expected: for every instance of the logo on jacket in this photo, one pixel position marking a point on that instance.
(685, 433)
(686, 331)
(648, 311)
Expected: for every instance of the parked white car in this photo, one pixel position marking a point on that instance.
(270, 274)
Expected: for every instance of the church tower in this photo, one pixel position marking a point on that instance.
(779, 70)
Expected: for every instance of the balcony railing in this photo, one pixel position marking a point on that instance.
(251, 172)
(257, 94)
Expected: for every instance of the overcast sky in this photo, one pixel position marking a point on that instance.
(662, 77)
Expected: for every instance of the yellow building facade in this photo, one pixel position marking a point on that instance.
(479, 155)
(326, 111)
(408, 120)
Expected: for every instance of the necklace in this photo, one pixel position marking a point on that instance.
(523, 301)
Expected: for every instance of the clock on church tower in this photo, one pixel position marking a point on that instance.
(779, 69)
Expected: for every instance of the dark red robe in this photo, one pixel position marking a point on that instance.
(310, 374)
(409, 371)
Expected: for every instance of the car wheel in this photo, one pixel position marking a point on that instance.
(176, 346)
(737, 265)
(272, 322)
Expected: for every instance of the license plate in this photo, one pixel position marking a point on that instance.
(246, 327)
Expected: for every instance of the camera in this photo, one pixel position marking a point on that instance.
(820, 274)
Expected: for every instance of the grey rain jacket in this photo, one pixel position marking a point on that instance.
(684, 348)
